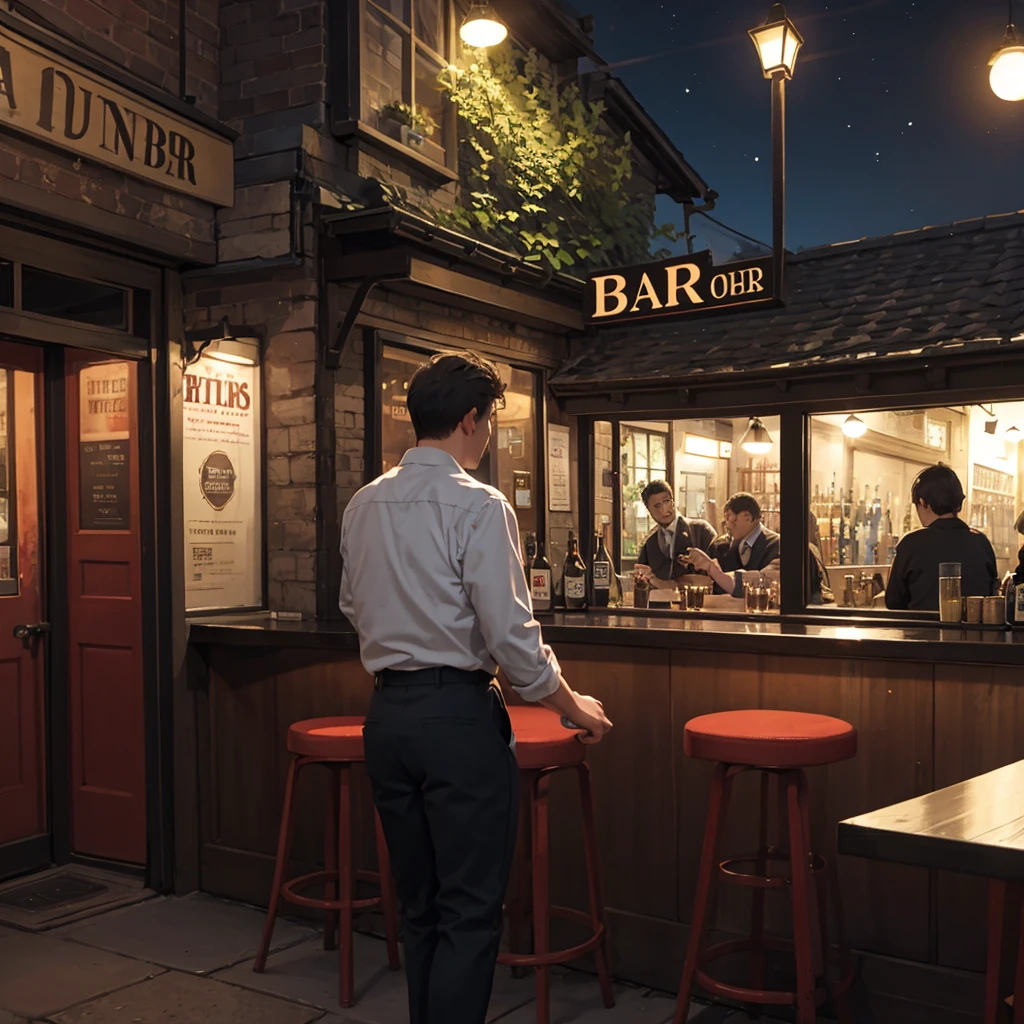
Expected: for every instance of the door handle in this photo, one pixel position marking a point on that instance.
(25, 631)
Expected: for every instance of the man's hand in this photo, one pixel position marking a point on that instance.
(700, 560)
(589, 715)
(642, 571)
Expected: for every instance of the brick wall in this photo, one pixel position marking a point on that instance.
(273, 59)
(142, 36)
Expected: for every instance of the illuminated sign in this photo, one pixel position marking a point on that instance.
(676, 287)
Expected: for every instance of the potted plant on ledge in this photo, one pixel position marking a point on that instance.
(412, 125)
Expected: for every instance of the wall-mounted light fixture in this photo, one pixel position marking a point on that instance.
(482, 27)
(239, 344)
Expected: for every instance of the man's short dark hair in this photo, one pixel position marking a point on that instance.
(939, 488)
(653, 488)
(741, 501)
(448, 386)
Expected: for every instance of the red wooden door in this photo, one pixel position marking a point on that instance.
(22, 732)
(105, 657)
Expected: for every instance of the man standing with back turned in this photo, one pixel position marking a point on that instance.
(432, 580)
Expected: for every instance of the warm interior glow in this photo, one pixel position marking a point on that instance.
(697, 445)
(854, 426)
(482, 28)
(757, 440)
(1007, 74)
(777, 42)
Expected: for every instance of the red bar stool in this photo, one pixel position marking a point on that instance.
(780, 744)
(543, 747)
(337, 744)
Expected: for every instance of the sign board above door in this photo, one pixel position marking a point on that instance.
(676, 287)
(45, 95)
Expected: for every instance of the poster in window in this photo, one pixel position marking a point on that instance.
(222, 488)
(104, 447)
(560, 498)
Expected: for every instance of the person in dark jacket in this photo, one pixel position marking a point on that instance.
(663, 554)
(753, 548)
(1018, 576)
(914, 577)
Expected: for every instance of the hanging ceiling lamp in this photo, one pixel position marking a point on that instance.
(854, 426)
(756, 440)
(482, 27)
(1007, 63)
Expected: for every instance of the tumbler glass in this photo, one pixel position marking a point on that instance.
(950, 599)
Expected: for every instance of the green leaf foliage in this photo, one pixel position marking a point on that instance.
(542, 173)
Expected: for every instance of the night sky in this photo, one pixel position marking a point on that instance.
(891, 121)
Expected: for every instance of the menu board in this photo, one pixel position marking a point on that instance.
(104, 447)
(105, 492)
(222, 486)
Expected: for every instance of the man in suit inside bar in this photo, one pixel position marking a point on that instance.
(750, 548)
(662, 557)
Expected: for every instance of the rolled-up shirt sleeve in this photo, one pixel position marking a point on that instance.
(494, 580)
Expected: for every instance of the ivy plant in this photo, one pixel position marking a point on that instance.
(542, 174)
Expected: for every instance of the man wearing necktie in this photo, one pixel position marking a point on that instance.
(753, 548)
(663, 553)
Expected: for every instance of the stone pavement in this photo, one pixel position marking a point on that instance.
(189, 961)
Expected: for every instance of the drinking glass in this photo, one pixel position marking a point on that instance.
(950, 600)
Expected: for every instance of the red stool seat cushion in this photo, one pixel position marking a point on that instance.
(770, 739)
(334, 739)
(542, 741)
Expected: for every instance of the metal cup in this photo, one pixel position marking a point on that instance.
(993, 611)
(975, 606)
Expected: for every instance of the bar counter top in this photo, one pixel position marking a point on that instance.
(766, 635)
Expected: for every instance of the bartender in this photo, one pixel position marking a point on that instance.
(663, 556)
(753, 548)
(914, 577)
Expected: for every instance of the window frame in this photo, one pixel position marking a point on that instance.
(346, 27)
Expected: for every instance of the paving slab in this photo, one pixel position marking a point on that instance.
(308, 973)
(576, 999)
(196, 933)
(177, 998)
(41, 975)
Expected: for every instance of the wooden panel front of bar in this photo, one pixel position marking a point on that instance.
(921, 725)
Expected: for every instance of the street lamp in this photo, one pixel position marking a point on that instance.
(482, 27)
(1007, 63)
(777, 42)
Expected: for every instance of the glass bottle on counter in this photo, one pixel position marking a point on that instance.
(540, 581)
(1014, 601)
(529, 553)
(600, 574)
(574, 577)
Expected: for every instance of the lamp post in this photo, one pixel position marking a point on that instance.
(777, 42)
(1007, 63)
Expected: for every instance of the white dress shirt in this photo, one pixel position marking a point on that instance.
(432, 576)
(749, 541)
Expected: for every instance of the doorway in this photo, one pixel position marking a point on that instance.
(72, 709)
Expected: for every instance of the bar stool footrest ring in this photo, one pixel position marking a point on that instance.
(749, 995)
(290, 895)
(558, 956)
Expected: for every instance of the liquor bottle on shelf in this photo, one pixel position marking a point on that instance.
(574, 577)
(600, 576)
(540, 581)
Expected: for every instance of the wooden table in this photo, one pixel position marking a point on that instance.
(975, 828)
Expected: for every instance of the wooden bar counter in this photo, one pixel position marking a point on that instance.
(931, 706)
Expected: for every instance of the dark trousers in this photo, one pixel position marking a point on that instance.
(446, 787)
